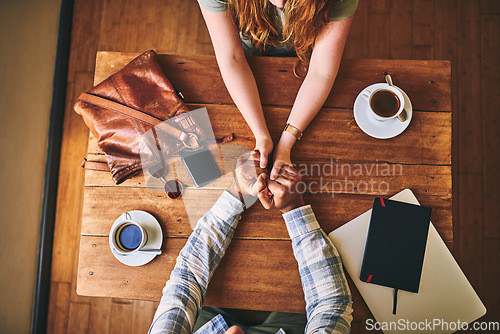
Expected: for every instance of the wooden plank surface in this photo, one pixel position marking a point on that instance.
(470, 159)
(142, 282)
(491, 123)
(263, 274)
(490, 78)
(400, 43)
(59, 307)
(357, 42)
(427, 83)
(423, 34)
(121, 316)
(378, 43)
(426, 141)
(100, 314)
(69, 190)
(339, 176)
(78, 318)
(419, 159)
(331, 211)
(143, 312)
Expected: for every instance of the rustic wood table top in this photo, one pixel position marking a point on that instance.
(259, 271)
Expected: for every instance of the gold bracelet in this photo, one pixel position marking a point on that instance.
(293, 130)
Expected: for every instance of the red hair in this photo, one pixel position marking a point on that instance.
(259, 22)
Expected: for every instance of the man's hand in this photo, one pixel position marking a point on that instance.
(250, 178)
(282, 193)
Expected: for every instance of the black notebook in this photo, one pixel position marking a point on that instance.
(395, 245)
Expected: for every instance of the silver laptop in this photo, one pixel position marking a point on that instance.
(445, 302)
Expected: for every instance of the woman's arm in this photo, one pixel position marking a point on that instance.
(238, 77)
(323, 69)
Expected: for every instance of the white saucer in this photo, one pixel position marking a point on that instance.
(155, 238)
(377, 129)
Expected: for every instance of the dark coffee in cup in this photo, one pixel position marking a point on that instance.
(385, 103)
(130, 237)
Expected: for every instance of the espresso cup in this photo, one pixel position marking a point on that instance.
(385, 102)
(128, 237)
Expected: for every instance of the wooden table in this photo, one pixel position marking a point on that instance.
(259, 271)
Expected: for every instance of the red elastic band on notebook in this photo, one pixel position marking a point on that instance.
(369, 279)
(382, 201)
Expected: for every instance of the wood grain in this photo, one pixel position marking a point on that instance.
(490, 53)
(70, 190)
(490, 100)
(331, 211)
(58, 307)
(121, 316)
(421, 156)
(426, 141)
(100, 314)
(146, 282)
(401, 44)
(78, 318)
(426, 82)
(378, 43)
(357, 41)
(167, 30)
(489, 7)
(423, 21)
(470, 159)
(491, 295)
(329, 176)
(143, 313)
(423, 32)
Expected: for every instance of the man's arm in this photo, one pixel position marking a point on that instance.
(328, 299)
(184, 293)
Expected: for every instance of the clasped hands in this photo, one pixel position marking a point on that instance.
(251, 180)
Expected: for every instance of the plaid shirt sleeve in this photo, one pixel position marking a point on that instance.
(184, 293)
(328, 299)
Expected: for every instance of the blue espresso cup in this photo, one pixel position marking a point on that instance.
(128, 237)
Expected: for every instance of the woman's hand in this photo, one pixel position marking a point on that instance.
(281, 158)
(265, 146)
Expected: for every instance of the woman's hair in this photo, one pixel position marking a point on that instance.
(259, 22)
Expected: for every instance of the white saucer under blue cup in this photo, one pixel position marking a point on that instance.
(380, 129)
(154, 240)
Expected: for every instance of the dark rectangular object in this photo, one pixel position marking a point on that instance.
(395, 245)
(201, 166)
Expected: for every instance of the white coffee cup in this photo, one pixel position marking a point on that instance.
(135, 230)
(381, 96)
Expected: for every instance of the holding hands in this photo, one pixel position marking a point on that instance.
(251, 180)
(281, 154)
(281, 193)
(281, 158)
